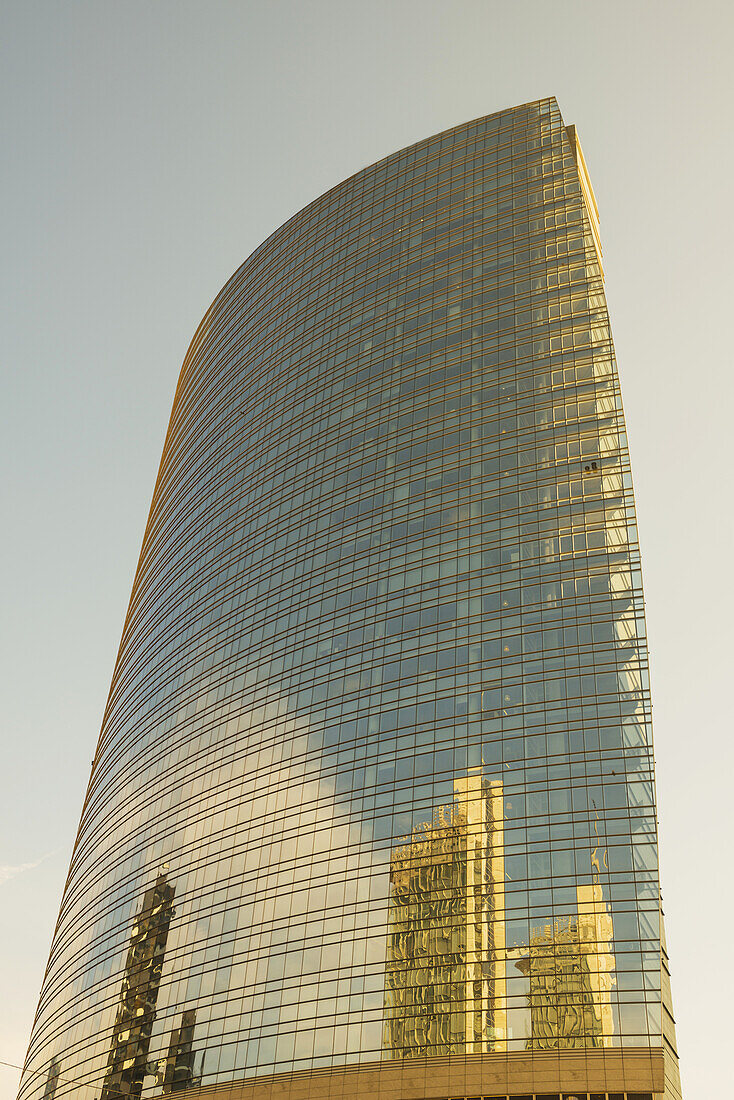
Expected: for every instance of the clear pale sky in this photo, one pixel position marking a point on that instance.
(147, 148)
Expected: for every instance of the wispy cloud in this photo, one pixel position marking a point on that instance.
(7, 872)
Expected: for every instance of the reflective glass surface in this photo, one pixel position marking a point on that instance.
(375, 777)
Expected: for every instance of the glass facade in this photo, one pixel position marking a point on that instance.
(375, 781)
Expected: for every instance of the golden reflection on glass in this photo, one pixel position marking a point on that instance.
(445, 969)
(570, 970)
(128, 1060)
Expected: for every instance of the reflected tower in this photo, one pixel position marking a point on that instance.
(128, 1061)
(381, 700)
(570, 971)
(444, 981)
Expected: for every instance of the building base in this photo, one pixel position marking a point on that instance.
(637, 1072)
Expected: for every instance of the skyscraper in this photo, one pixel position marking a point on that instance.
(380, 717)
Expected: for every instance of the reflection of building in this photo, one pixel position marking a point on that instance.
(179, 1065)
(128, 1060)
(570, 970)
(444, 984)
(52, 1079)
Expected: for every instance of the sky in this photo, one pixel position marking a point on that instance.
(148, 148)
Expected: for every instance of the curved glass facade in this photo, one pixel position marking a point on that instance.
(375, 781)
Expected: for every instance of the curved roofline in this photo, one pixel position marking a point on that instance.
(396, 153)
(347, 179)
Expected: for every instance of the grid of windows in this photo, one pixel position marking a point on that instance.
(375, 777)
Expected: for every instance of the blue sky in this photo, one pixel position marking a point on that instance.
(148, 148)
